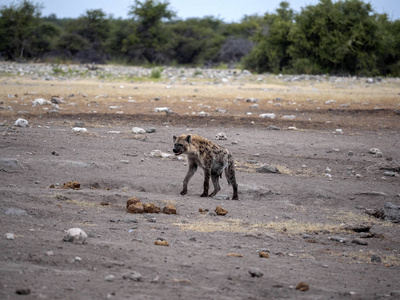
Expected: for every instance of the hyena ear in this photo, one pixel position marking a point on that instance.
(188, 138)
(174, 137)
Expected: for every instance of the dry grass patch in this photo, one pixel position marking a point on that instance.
(365, 257)
(347, 217)
(236, 225)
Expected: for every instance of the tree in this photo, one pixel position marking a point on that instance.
(340, 37)
(271, 51)
(150, 38)
(85, 37)
(23, 33)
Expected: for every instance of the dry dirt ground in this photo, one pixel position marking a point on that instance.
(299, 216)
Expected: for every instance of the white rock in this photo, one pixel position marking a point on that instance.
(115, 107)
(78, 129)
(21, 123)
(268, 115)
(221, 136)
(9, 236)
(292, 128)
(109, 278)
(75, 235)
(339, 131)
(203, 114)
(289, 117)
(40, 101)
(163, 109)
(138, 130)
(374, 150)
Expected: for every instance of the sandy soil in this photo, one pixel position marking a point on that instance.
(299, 216)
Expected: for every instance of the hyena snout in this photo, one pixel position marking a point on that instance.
(177, 150)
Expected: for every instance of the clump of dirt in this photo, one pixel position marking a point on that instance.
(75, 185)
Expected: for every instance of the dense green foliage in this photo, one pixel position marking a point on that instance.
(331, 37)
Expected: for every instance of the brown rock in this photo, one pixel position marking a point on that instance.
(161, 243)
(75, 185)
(302, 286)
(169, 209)
(151, 208)
(220, 211)
(131, 201)
(263, 254)
(136, 208)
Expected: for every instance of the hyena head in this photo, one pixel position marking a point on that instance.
(181, 143)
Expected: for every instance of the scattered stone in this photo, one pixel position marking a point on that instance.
(203, 114)
(267, 169)
(21, 123)
(40, 101)
(49, 253)
(151, 208)
(150, 130)
(252, 100)
(9, 236)
(134, 276)
(376, 258)
(289, 117)
(221, 136)
(268, 116)
(359, 242)
(167, 110)
(390, 173)
(338, 239)
(161, 243)
(255, 272)
(389, 212)
(79, 129)
(138, 130)
(109, 278)
(75, 185)
(169, 209)
(358, 228)
(272, 127)
(75, 235)
(220, 211)
(302, 286)
(23, 291)
(136, 208)
(339, 131)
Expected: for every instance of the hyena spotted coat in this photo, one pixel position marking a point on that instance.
(212, 158)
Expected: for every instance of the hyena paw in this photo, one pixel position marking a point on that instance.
(183, 192)
(235, 198)
(204, 195)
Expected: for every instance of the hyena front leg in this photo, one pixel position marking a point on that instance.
(189, 175)
(215, 181)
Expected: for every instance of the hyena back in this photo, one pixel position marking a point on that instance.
(212, 158)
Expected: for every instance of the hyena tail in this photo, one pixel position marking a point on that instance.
(230, 176)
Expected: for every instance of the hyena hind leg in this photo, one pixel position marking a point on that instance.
(215, 181)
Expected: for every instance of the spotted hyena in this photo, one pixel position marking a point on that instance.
(212, 158)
